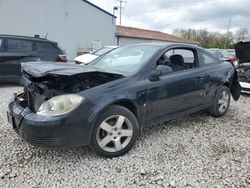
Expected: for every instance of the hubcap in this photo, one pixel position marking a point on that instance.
(114, 133)
(223, 101)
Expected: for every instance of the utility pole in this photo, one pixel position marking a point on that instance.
(229, 23)
(114, 9)
(121, 2)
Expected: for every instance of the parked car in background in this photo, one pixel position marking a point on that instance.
(243, 54)
(87, 58)
(107, 103)
(229, 55)
(15, 50)
(225, 55)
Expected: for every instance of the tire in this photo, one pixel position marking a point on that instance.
(221, 102)
(115, 132)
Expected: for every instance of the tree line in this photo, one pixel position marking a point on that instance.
(209, 39)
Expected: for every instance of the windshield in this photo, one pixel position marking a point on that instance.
(102, 51)
(125, 60)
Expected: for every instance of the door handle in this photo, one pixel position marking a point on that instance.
(199, 78)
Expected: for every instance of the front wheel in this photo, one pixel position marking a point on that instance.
(221, 102)
(115, 132)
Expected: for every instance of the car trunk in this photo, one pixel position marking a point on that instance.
(43, 81)
(242, 50)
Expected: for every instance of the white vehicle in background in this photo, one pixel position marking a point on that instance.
(87, 58)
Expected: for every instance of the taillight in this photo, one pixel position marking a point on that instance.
(236, 63)
(62, 58)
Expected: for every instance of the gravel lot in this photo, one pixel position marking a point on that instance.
(193, 151)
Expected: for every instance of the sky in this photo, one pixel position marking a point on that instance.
(166, 15)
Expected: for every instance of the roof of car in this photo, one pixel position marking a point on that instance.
(166, 44)
(26, 37)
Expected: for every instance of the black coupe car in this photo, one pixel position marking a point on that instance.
(107, 103)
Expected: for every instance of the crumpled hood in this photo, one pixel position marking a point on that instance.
(41, 69)
(242, 50)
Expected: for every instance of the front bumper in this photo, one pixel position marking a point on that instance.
(244, 83)
(69, 130)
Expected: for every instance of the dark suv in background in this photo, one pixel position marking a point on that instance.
(15, 50)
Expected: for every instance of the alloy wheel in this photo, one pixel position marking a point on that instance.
(114, 133)
(223, 101)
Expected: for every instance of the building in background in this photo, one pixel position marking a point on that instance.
(131, 35)
(77, 25)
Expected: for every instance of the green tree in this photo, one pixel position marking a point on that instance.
(206, 38)
(241, 34)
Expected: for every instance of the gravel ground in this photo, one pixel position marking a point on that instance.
(193, 151)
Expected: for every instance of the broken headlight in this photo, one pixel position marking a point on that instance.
(60, 105)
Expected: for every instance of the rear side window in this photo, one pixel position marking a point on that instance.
(46, 47)
(16, 45)
(47, 51)
(207, 59)
(187, 54)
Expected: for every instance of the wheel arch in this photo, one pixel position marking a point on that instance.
(126, 103)
(129, 105)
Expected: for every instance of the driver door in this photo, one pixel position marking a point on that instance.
(174, 93)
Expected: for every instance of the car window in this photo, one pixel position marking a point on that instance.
(176, 60)
(17, 45)
(188, 55)
(207, 59)
(125, 60)
(216, 53)
(46, 47)
(47, 51)
(228, 53)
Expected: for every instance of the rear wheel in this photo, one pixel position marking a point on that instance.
(221, 103)
(115, 132)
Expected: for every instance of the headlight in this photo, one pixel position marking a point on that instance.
(60, 105)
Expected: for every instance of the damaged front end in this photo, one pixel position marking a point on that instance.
(47, 80)
(51, 112)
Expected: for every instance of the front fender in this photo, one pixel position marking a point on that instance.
(119, 100)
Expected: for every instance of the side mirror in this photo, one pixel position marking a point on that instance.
(160, 70)
(164, 69)
(154, 75)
